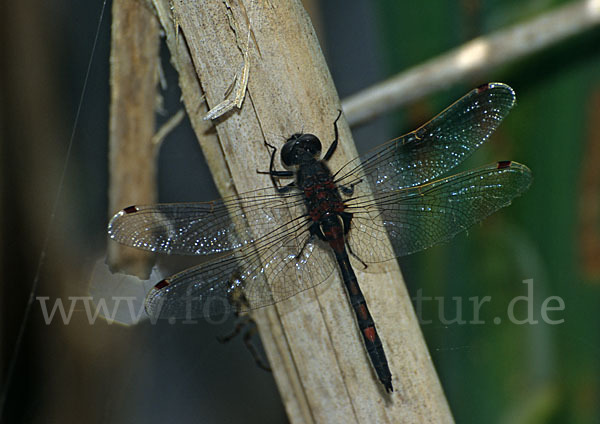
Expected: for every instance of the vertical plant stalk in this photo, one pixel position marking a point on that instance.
(134, 65)
(313, 344)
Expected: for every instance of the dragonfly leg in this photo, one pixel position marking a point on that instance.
(260, 362)
(285, 188)
(247, 322)
(355, 256)
(347, 220)
(273, 173)
(236, 330)
(335, 141)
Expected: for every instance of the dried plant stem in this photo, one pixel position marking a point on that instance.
(312, 342)
(133, 82)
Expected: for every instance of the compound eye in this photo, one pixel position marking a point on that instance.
(288, 152)
(313, 145)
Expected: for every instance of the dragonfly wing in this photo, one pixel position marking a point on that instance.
(418, 217)
(436, 147)
(207, 227)
(274, 268)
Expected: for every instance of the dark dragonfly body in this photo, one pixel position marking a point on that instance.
(270, 244)
(330, 222)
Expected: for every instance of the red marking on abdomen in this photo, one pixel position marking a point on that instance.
(353, 288)
(335, 238)
(504, 164)
(370, 334)
(362, 312)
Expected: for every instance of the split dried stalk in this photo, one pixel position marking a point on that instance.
(134, 66)
(312, 342)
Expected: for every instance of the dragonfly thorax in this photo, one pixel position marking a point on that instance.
(300, 149)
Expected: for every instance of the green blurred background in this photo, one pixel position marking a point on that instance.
(529, 373)
(493, 373)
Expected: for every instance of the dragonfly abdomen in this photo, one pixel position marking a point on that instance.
(364, 320)
(332, 227)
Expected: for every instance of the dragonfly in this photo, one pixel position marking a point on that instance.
(270, 244)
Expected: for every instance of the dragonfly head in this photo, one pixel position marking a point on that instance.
(300, 148)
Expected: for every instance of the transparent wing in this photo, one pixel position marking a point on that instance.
(274, 268)
(436, 147)
(208, 227)
(419, 217)
(226, 224)
(261, 240)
